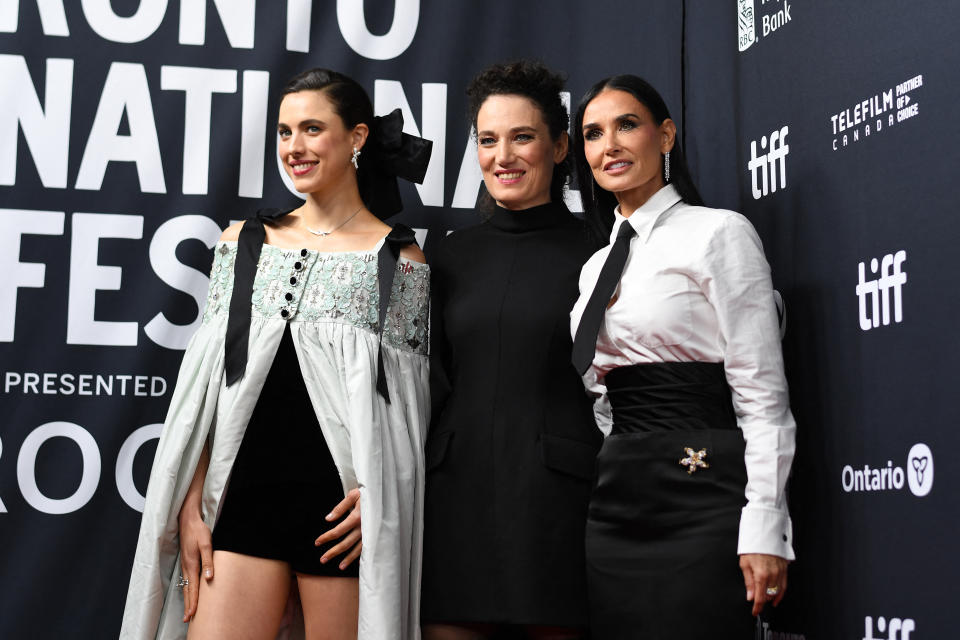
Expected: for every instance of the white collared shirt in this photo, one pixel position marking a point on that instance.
(696, 287)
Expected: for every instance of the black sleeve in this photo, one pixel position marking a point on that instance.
(440, 356)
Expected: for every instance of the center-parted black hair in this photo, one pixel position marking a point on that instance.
(598, 203)
(534, 81)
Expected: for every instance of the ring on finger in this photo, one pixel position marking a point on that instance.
(772, 591)
(183, 582)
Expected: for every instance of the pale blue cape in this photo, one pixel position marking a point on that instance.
(376, 446)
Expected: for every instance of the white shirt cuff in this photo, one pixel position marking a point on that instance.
(764, 530)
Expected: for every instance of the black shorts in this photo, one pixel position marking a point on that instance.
(280, 523)
(284, 480)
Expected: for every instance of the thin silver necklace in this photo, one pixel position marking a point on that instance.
(324, 234)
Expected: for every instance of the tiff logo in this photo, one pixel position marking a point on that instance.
(874, 295)
(764, 168)
(896, 629)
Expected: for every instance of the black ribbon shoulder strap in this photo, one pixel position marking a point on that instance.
(399, 237)
(249, 244)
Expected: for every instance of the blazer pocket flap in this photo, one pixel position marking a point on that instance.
(569, 456)
(437, 449)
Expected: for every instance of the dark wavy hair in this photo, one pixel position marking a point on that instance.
(598, 203)
(534, 81)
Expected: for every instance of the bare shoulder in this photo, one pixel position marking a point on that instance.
(231, 233)
(413, 253)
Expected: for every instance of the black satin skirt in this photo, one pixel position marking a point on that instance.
(664, 517)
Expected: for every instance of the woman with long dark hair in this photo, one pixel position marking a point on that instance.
(676, 335)
(304, 390)
(512, 445)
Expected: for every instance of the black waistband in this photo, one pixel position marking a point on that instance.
(670, 396)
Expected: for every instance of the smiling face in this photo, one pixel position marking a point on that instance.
(624, 147)
(314, 145)
(515, 151)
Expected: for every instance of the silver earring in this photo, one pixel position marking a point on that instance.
(666, 167)
(356, 154)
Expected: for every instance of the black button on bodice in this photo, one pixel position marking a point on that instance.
(284, 313)
(289, 297)
(303, 253)
(293, 280)
(298, 265)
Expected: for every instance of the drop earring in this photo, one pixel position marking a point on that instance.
(666, 167)
(353, 159)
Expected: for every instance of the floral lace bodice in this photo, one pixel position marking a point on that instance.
(300, 285)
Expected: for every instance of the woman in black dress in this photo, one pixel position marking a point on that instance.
(511, 451)
(677, 336)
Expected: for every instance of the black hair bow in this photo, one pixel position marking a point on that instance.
(390, 154)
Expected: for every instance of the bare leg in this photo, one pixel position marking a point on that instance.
(244, 601)
(330, 606)
(457, 632)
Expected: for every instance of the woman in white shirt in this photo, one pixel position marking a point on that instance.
(676, 335)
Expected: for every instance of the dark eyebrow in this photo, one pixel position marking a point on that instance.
(304, 123)
(623, 116)
(486, 132)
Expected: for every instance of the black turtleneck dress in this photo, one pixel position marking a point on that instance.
(511, 450)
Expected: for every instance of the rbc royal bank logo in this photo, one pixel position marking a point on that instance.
(746, 27)
(769, 168)
(874, 294)
(774, 15)
(917, 475)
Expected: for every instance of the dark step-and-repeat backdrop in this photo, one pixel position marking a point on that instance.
(132, 132)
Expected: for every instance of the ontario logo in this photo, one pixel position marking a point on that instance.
(917, 475)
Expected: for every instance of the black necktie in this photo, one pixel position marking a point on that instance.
(585, 343)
